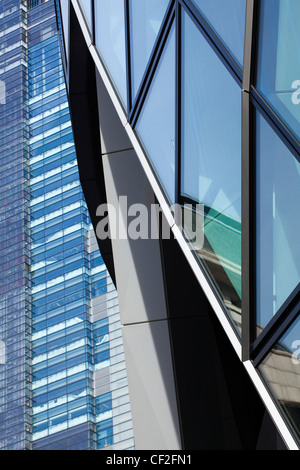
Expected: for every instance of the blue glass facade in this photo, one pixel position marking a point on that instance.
(15, 301)
(64, 380)
(186, 91)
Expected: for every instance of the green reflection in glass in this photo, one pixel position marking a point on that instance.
(211, 160)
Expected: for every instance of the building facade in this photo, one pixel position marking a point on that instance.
(193, 107)
(63, 375)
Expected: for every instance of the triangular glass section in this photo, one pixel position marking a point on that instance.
(156, 124)
(227, 19)
(146, 18)
(277, 223)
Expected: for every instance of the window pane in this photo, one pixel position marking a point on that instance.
(227, 18)
(211, 158)
(87, 8)
(281, 371)
(278, 78)
(110, 40)
(278, 222)
(156, 125)
(65, 11)
(145, 21)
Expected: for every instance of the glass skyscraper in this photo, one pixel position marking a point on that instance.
(200, 101)
(63, 376)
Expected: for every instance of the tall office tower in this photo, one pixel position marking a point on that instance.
(198, 107)
(63, 377)
(15, 229)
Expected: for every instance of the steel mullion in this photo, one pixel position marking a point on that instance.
(277, 326)
(248, 187)
(178, 103)
(276, 123)
(275, 331)
(93, 25)
(128, 54)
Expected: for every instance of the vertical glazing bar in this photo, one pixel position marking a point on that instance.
(248, 194)
(93, 22)
(246, 250)
(128, 54)
(178, 104)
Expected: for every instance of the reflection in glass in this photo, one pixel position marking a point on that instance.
(87, 8)
(65, 11)
(278, 222)
(156, 125)
(227, 18)
(211, 159)
(281, 371)
(110, 40)
(278, 76)
(145, 21)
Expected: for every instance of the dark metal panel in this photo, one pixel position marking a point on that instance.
(218, 404)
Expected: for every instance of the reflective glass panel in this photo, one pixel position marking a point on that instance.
(278, 222)
(211, 159)
(145, 21)
(227, 18)
(110, 40)
(278, 77)
(65, 11)
(87, 8)
(156, 125)
(281, 371)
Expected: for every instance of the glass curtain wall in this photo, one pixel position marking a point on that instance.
(211, 159)
(79, 388)
(63, 381)
(15, 304)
